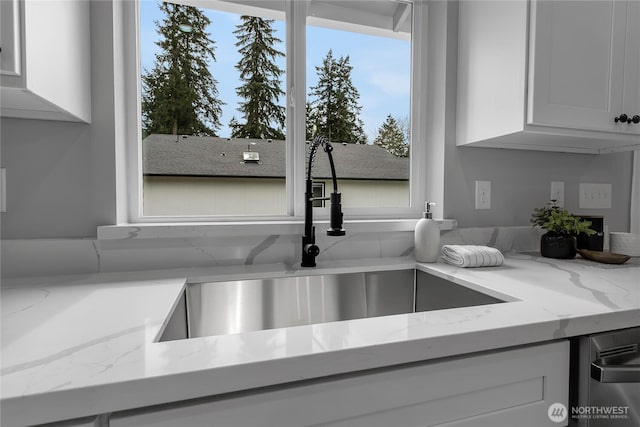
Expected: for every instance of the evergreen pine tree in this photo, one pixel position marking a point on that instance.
(334, 107)
(405, 125)
(311, 121)
(391, 137)
(263, 116)
(179, 93)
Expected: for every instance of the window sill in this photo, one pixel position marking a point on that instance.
(218, 229)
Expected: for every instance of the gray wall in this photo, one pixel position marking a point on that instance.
(521, 181)
(61, 177)
(49, 181)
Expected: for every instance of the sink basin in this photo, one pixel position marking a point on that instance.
(230, 307)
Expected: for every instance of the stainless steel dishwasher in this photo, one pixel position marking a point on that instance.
(606, 380)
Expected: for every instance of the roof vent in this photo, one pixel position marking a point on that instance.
(269, 140)
(344, 143)
(250, 156)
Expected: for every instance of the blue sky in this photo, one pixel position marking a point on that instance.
(381, 66)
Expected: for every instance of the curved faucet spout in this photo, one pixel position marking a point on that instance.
(309, 248)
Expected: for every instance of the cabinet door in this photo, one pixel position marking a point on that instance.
(10, 37)
(577, 63)
(501, 388)
(631, 90)
(46, 59)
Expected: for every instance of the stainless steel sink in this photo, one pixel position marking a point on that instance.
(220, 308)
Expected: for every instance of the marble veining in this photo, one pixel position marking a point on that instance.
(86, 344)
(262, 246)
(30, 301)
(67, 351)
(137, 248)
(575, 278)
(562, 326)
(95, 248)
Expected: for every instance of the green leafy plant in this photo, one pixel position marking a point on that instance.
(560, 221)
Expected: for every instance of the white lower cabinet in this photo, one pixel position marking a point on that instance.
(513, 387)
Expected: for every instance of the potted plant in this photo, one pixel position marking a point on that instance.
(562, 230)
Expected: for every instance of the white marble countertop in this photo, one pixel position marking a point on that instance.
(83, 345)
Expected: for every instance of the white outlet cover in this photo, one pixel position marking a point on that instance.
(595, 196)
(557, 192)
(483, 194)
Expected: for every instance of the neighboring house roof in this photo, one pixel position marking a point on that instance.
(222, 157)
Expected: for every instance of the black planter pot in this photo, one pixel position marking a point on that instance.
(558, 246)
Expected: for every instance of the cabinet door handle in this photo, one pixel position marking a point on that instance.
(621, 118)
(635, 119)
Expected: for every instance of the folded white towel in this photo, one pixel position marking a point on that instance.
(471, 256)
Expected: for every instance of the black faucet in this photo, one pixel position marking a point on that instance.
(309, 248)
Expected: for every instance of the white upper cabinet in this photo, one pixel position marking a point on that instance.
(583, 58)
(549, 75)
(45, 63)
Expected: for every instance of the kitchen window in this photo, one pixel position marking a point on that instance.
(219, 169)
(319, 194)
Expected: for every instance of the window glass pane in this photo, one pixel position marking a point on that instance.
(318, 194)
(213, 108)
(358, 96)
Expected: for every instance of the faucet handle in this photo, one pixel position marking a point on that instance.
(309, 253)
(336, 216)
(312, 249)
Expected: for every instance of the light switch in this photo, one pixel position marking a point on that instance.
(595, 196)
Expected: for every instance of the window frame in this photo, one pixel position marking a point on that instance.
(296, 22)
(319, 195)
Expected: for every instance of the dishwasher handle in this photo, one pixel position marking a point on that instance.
(615, 373)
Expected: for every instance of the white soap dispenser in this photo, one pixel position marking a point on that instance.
(427, 237)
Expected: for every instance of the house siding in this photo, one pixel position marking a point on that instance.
(179, 195)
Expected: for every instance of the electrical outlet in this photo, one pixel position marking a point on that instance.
(483, 194)
(557, 192)
(595, 196)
